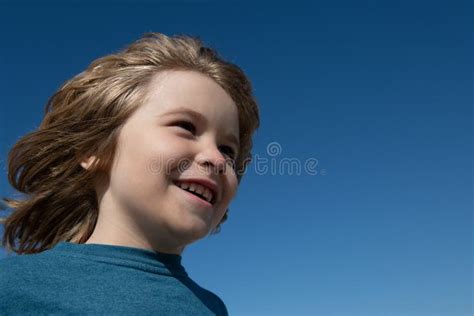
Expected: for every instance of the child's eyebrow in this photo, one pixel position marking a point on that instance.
(200, 117)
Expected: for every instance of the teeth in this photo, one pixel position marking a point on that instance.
(207, 195)
(194, 187)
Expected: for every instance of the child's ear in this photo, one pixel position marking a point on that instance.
(87, 162)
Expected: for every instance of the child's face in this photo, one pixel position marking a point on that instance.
(140, 205)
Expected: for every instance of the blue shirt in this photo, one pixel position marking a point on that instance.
(101, 279)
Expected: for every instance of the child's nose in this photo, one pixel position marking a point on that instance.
(210, 155)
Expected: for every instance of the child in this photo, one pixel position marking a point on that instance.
(137, 157)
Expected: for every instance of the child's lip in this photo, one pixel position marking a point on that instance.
(211, 185)
(196, 199)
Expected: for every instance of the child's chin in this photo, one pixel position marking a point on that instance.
(194, 229)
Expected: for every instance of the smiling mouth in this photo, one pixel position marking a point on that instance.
(196, 194)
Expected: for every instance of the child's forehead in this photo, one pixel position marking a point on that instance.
(186, 84)
(187, 91)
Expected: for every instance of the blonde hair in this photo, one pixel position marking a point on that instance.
(85, 116)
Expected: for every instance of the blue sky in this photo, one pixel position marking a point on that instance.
(378, 93)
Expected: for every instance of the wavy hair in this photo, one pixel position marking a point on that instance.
(85, 116)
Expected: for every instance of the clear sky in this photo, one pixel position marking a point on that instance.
(372, 99)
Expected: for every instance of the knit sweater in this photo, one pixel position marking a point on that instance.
(98, 279)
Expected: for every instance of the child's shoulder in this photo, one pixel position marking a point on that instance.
(23, 265)
(24, 279)
(13, 262)
(23, 273)
(15, 273)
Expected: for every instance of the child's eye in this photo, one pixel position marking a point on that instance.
(187, 126)
(230, 152)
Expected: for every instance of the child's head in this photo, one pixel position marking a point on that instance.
(121, 137)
